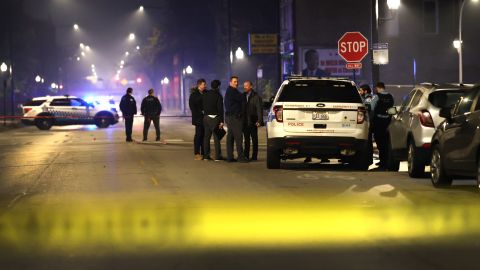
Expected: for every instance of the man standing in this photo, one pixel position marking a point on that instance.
(196, 107)
(212, 120)
(312, 60)
(234, 119)
(253, 119)
(128, 106)
(151, 110)
(381, 119)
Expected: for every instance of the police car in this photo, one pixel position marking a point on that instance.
(318, 117)
(45, 112)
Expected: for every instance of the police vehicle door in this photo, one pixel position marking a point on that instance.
(79, 110)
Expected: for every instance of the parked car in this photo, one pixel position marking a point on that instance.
(456, 143)
(45, 112)
(412, 126)
(318, 117)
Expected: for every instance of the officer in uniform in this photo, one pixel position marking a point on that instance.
(128, 106)
(151, 110)
(381, 119)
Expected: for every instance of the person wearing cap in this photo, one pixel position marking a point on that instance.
(128, 106)
(151, 109)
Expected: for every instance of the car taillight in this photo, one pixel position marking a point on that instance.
(278, 111)
(26, 110)
(361, 115)
(426, 119)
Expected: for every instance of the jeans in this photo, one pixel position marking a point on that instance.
(211, 125)
(250, 132)
(198, 139)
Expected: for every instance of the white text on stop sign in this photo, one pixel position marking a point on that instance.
(352, 46)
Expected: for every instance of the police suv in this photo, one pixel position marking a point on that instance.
(45, 112)
(318, 117)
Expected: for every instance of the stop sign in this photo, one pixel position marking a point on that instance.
(353, 46)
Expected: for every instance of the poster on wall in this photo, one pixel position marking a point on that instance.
(323, 62)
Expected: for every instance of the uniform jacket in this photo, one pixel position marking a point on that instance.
(151, 106)
(128, 105)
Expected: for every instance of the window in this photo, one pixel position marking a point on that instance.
(416, 99)
(430, 16)
(77, 103)
(320, 91)
(465, 104)
(406, 101)
(445, 99)
(34, 103)
(60, 102)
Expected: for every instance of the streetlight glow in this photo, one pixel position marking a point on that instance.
(78, 59)
(141, 8)
(239, 54)
(83, 54)
(131, 37)
(457, 44)
(189, 70)
(82, 46)
(76, 27)
(3, 67)
(138, 47)
(122, 62)
(127, 53)
(87, 48)
(393, 4)
(38, 79)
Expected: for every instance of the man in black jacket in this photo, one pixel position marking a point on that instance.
(253, 119)
(128, 106)
(234, 119)
(212, 120)
(151, 110)
(196, 106)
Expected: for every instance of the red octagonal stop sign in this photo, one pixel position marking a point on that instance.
(353, 46)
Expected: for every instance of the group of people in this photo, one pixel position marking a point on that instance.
(151, 109)
(241, 112)
(377, 104)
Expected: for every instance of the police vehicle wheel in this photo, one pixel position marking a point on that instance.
(438, 175)
(416, 167)
(103, 120)
(273, 158)
(44, 123)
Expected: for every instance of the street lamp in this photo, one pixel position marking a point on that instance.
(393, 4)
(239, 54)
(131, 37)
(3, 67)
(141, 9)
(458, 44)
(185, 72)
(76, 27)
(38, 79)
(127, 53)
(189, 70)
(82, 46)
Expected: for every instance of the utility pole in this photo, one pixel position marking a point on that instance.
(374, 39)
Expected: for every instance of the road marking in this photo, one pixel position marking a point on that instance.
(154, 180)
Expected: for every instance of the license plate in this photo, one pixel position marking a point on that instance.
(320, 116)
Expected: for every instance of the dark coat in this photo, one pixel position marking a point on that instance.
(213, 103)
(233, 103)
(196, 106)
(128, 106)
(253, 109)
(151, 106)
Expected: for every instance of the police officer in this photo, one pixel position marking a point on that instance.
(234, 120)
(381, 119)
(253, 119)
(128, 106)
(151, 109)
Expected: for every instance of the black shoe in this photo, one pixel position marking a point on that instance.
(230, 160)
(129, 140)
(158, 139)
(207, 158)
(243, 160)
(219, 159)
(307, 160)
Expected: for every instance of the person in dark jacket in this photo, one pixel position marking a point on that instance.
(234, 119)
(212, 120)
(196, 107)
(252, 120)
(151, 109)
(128, 106)
(381, 119)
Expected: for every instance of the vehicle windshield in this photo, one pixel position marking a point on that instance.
(320, 91)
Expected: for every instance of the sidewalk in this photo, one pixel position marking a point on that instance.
(9, 124)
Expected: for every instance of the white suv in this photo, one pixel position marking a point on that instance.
(44, 112)
(323, 118)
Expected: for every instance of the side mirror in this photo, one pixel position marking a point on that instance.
(446, 113)
(392, 111)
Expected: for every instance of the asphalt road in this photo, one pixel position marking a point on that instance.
(78, 197)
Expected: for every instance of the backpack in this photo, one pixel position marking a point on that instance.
(385, 102)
